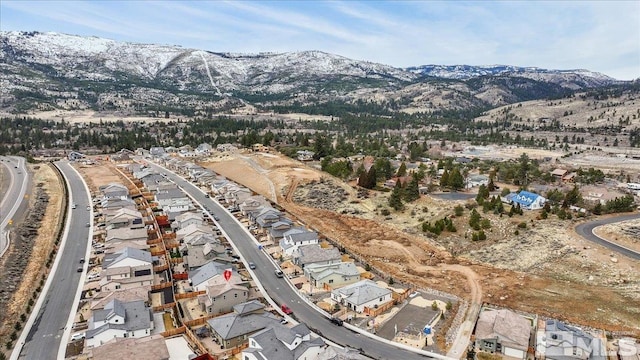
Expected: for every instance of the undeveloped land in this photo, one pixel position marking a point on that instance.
(542, 270)
(24, 263)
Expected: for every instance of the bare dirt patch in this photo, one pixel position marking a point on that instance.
(28, 255)
(396, 247)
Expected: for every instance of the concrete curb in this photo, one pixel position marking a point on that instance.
(15, 207)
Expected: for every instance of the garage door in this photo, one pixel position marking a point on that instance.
(514, 353)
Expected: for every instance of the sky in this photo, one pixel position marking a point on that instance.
(602, 36)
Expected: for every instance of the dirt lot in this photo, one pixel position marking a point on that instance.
(39, 248)
(558, 266)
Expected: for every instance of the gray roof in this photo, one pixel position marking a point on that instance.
(559, 337)
(314, 253)
(136, 316)
(170, 194)
(248, 307)
(304, 235)
(233, 325)
(362, 292)
(273, 339)
(206, 272)
(346, 269)
(125, 253)
(510, 328)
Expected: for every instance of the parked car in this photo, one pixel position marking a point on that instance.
(73, 206)
(252, 266)
(279, 273)
(88, 208)
(81, 260)
(206, 195)
(78, 336)
(93, 276)
(336, 321)
(80, 269)
(285, 309)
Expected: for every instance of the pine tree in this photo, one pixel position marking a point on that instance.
(455, 180)
(444, 180)
(402, 170)
(395, 199)
(412, 192)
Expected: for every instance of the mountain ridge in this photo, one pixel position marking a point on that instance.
(62, 67)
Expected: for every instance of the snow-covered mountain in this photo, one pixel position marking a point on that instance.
(52, 70)
(573, 79)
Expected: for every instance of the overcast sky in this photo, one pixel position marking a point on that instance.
(601, 36)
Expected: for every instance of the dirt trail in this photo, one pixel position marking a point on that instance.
(414, 259)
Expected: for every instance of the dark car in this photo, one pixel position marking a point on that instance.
(79, 269)
(336, 321)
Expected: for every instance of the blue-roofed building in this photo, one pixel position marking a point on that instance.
(526, 200)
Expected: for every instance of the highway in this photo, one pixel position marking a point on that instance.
(586, 231)
(281, 292)
(11, 204)
(44, 330)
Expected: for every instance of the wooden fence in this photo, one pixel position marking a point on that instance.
(189, 294)
(173, 332)
(162, 285)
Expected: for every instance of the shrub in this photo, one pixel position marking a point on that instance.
(522, 225)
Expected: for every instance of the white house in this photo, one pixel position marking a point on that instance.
(188, 218)
(361, 295)
(119, 320)
(296, 237)
(127, 268)
(477, 180)
(283, 343)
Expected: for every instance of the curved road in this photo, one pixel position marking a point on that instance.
(11, 205)
(281, 292)
(586, 231)
(45, 328)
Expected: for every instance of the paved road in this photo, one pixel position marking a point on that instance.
(454, 195)
(44, 337)
(11, 205)
(281, 292)
(586, 231)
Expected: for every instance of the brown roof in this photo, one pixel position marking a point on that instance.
(147, 348)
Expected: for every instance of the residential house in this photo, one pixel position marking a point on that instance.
(238, 195)
(333, 275)
(101, 299)
(200, 249)
(119, 320)
(559, 341)
(74, 156)
(126, 234)
(126, 269)
(305, 155)
(211, 274)
(191, 230)
(114, 191)
(314, 254)
(172, 200)
(559, 173)
(252, 203)
(283, 343)
(259, 148)
(361, 295)
(266, 217)
(125, 218)
(203, 149)
(221, 298)
(226, 147)
(503, 332)
(232, 330)
(526, 200)
(147, 348)
(112, 205)
(278, 229)
(157, 152)
(295, 238)
(187, 218)
(477, 180)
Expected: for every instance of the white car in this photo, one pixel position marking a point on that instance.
(93, 276)
(78, 336)
(73, 206)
